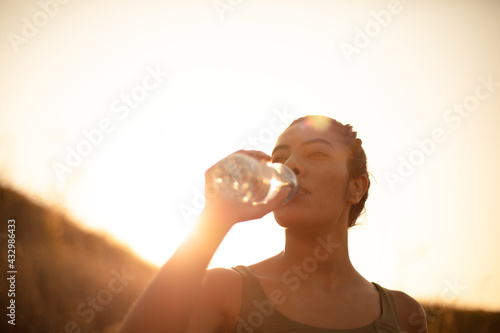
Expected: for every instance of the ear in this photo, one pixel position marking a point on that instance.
(357, 189)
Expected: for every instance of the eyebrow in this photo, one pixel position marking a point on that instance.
(308, 142)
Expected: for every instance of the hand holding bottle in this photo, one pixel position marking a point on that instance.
(246, 186)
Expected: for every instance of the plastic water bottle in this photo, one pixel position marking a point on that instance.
(243, 178)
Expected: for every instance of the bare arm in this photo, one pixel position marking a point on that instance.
(171, 298)
(167, 303)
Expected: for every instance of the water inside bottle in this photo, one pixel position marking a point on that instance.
(243, 180)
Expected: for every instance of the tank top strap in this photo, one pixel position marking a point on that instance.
(244, 271)
(247, 275)
(388, 321)
(252, 288)
(257, 313)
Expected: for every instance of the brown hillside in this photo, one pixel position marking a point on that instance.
(67, 278)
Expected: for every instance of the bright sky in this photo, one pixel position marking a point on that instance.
(132, 101)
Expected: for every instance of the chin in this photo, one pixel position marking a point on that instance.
(295, 217)
(289, 217)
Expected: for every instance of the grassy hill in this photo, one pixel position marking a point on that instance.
(67, 278)
(72, 280)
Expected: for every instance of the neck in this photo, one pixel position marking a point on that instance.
(322, 259)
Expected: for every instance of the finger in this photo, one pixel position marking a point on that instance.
(255, 154)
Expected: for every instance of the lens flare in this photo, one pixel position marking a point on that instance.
(318, 123)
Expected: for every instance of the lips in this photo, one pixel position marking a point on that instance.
(301, 191)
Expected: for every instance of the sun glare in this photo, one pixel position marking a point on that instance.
(146, 98)
(318, 123)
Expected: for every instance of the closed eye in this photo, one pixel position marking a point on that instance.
(278, 159)
(317, 154)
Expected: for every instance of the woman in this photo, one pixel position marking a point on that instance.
(309, 287)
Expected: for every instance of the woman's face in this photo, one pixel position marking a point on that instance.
(319, 160)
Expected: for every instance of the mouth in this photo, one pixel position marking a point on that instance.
(301, 191)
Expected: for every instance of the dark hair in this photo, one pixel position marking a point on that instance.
(357, 164)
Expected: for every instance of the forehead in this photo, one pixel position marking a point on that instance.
(298, 133)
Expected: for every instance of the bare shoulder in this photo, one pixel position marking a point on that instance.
(219, 303)
(411, 314)
(222, 279)
(224, 287)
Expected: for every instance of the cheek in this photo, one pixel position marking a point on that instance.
(332, 185)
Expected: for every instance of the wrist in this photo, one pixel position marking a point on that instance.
(212, 224)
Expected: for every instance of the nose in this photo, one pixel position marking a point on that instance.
(293, 165)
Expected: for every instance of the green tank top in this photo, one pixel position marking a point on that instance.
(257, 314)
